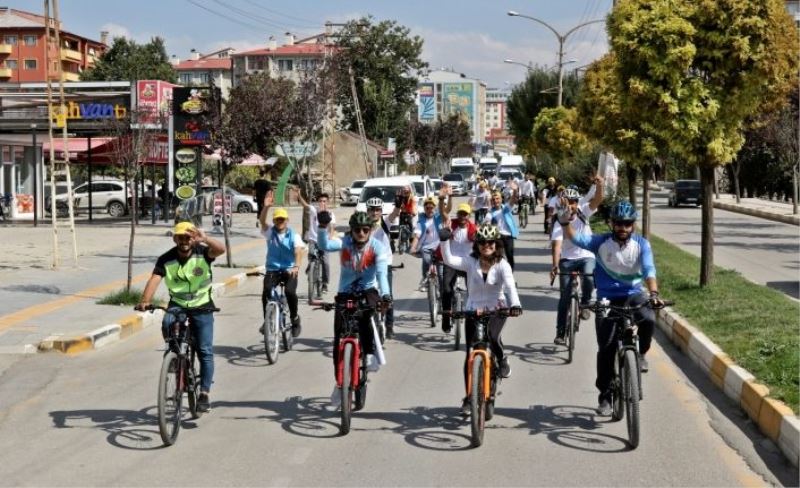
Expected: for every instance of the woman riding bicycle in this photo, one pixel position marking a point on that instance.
(490, 285)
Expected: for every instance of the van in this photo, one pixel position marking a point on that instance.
(487, 166)
(512, 162)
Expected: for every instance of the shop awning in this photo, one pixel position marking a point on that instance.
(77, 147)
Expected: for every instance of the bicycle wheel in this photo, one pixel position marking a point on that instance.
(360, 394)
(618, 400)
(170, 397)
(193, 380)
(271, 327)
(572, 318)
(631, 391)
(458, 305)
(347, 389)
(316, 277)
(286, 333)
(523, 217)
(477, 401)
(310, 279)
(433, 304)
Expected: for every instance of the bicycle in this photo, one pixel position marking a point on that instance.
(459, 301)
(523, 213)
(381, 314)
(573, 311)
(404, 234)
(434, 291)
(178, 374)
(483, 372)
(277, 325)
(351, 365)
(626, 384)
(314, 274)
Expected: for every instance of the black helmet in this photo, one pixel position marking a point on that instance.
(360, 219)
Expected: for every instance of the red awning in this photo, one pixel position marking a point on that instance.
(77, 146)
(108, 152)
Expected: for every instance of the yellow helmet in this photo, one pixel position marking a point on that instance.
(551, 181)
(280, 213)
(464, 207)
(182, 228)
(429, 199)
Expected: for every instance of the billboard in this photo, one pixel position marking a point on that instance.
(427, 102)
(457, 99)
(153, 100)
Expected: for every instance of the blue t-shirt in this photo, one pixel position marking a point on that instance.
(362, 269)
(280, 248)
(621, 270)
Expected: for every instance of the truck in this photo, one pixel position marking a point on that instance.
(464, 167)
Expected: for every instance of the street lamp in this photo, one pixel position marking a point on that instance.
(511, 61)
(561, 41)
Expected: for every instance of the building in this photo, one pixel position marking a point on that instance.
(496, 110)
(290, 60)
(793, 6)
(443, 92)
(199, 69)
(22, 49)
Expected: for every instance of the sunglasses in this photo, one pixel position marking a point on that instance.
(623, 223)
(375, 209)
(486, 243)
(361, 230)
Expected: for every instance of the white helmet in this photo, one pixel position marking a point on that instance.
(572, 194)
(374, 202)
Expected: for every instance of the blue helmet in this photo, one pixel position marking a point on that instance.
(623, 210)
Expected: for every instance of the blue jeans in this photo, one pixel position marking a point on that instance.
(202, 326)
(565, 266)
(427, 259)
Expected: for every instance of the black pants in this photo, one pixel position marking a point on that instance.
(607, 348)
(546, 219)
(496, 325)
(508, 245)
(449, 277)
(365, 335)
(531, 204)
(271, 280)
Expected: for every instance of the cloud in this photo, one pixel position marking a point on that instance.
(479, 55)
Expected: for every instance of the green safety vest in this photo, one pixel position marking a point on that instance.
(189, 284)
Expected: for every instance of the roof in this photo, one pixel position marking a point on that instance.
(204, 64)
(293, 50)
(14, 19)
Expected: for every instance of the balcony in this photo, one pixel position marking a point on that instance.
(5, 73)
(71, 55)
(6, 48)
(70, 76)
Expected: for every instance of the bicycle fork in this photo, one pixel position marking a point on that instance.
(487, 372)
(355, 377)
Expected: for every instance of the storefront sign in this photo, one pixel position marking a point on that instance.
(59, 114)
(153, 100)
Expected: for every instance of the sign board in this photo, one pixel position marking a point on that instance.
(153, 101)
(427, 102)
(387, 155)
(297, 150)
(457, 100)
(391, 144)
(86, 111)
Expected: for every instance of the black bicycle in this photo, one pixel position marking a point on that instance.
(314, 274)
(405, 232)
(626, 384)
(178, 375)
(573, 312)
(381, 314)
(277, 325)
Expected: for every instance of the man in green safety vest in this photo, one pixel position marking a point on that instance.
(186, 269)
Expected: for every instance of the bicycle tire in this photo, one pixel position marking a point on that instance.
(618, 399)
(310, 280)
(457, 323)
(360, 394)
(347, 389)
(477, 402)
(193, 379)
(271, 332)
(317, 278)
(380, 325)
(631, 389)
(433, 304)
(170, 398)
(571, 322)
(523, 217)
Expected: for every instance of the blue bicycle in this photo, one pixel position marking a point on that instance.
(277, 326)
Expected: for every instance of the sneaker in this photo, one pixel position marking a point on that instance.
(296, 327)
(505, 368)
(604, 409)
(261, 329)
(447, 326)
(336, 397)
(559, 340)
(372, 363)
(643, 366)
(324, 288)
(465, 407)
(586, 314)
(203, 404)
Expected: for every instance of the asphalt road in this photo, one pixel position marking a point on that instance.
(90, 420)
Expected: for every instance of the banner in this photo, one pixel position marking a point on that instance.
(457, 100)
(427, 103)
(153, 100)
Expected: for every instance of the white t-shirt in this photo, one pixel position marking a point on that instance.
(313, 223)
(528, 189)
(497, 218)
(460, 245)
(428, 236)
(569, 250)
(380, 235)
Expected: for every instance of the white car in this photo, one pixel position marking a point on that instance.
(386, 189)
(457, 183)
(350, 195)
(106, 194)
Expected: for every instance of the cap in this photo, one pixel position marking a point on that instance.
(280, 213)
(464, 207)
(429, 199)
(181, 228)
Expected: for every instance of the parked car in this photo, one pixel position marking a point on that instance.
(685, 191)
(351, 194)
(457, 183)
(106, 194)
(240, 202)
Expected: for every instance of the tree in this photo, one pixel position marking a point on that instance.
(527, 100)
(385, 61)
(695, 70)
(127, 60)
(437, 143)
(556, 132)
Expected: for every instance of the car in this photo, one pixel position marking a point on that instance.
(106, 194)
(350, 195)
(386, 189)
(240, 202)
(457, 183)
(685, 191)
(422, 187)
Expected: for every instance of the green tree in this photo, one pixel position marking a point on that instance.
(127, 60)
(437, 143)
(556, 132)
(384, 60)
(695, 70)
(527, 100)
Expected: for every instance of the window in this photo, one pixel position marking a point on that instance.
(203, 77)
(285, 65)
(11, 40)
(30, 64)
(11, 63)
(30, 40)
(186, 78)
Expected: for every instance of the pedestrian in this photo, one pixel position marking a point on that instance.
(260, 189)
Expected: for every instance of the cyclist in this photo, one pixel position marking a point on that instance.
(544, 195)
(461, 242)
(527, 193)
(363, 269)
(567, 257)
(311, 234)
(425, 240)
(407, 204)
(186, 269)
(490, 284)
(480, 202)
(284, 256)
(626, 263)
(500, 215)
(380, 232)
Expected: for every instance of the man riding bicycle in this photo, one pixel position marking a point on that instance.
(500, 216)
(363, 271)
(545, 194)
(284, 256)
(426, 239)
(567, 257)
(407, 203)
(311, 234)
(527, 194)
(625, 263)
(481, 201)
(380, 232)
(461, 242)
(186, 269)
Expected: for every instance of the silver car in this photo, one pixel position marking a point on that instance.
(457, 183)
(351, 194)
(239, 201)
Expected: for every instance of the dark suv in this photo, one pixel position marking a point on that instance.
(686, 191)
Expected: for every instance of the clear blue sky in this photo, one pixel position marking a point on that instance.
(471, 36)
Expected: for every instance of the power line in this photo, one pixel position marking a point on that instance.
(250, 15)
(218, 14)
(307, 22)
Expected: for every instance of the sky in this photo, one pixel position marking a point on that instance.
(469, 36)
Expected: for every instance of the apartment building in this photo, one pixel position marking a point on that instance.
(23, 44)
(200, 69)
(291, 60)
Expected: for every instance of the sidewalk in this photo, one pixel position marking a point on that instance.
(767, 209)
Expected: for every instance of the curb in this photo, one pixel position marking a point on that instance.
(128, 325)
(786, 219)
(773, 417)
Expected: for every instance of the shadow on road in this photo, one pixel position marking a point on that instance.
(545, 354)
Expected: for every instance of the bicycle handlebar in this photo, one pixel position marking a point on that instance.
(153, 308)
(599, 307)
(500, 312)
(571, 273)
(400, 266)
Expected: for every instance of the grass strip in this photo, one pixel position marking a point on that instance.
(125, 297)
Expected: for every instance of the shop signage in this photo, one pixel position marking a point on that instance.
(59, 114)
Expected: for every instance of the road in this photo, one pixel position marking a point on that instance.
(763, 251)
(89, 420)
